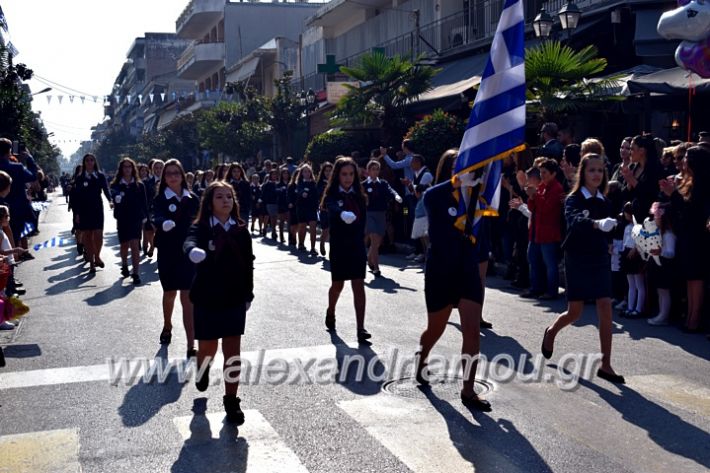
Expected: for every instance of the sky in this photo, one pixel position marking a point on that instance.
(80, 45)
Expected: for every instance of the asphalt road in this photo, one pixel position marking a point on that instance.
(61, 412)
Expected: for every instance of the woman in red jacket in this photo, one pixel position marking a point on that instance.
(545, 205)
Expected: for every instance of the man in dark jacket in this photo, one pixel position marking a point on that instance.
(551, 147)
(21, 175)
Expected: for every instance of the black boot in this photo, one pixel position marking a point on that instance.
(232, 409)
(203, 382)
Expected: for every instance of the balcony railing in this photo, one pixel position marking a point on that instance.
(198, 14)
(202, 55)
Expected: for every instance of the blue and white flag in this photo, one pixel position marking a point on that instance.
(496, 127)
(27, 229)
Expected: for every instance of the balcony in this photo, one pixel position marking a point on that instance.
(198, 17)
(200, 59)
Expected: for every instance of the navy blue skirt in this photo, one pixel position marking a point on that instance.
(588, 276)
(175, 269)
(213, 324)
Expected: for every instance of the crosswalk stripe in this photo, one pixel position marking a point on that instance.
(52, 451)
(420, 437)
(211, 445)
(677, 391)
(102, 372)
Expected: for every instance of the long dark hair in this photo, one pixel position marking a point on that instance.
(232, 167)
(206, 210)
(97, 169)
(446, 165)
(321, 173)
(163, 184)
(78, 170)
(579, 182)
(696, 179)
(653, 164)
(334, 181)
(119, 173)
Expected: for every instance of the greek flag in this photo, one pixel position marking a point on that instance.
(27, 229)
(496, 127)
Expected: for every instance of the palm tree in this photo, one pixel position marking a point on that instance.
(387, 84)
(558, 79)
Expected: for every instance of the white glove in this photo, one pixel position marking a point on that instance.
(469, 180)
(168, 225)
(398, 199)
(247, 306)
(117, 199)
(197, 255)
(347, 217)
(606, 224)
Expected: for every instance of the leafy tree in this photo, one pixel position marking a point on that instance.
(436, 133)
(286, 114)
(179, 140)
(116, 144)
(558, 79)
(326, 146)
(387, 84)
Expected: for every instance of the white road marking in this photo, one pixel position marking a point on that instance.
(258, 446)
(51, 451)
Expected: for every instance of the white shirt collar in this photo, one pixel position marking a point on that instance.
(588, 195)
(227, 225)
(351, 191)
(124, 181)
(421, 169)
(169, 194)
(90, 174)
(369, 179)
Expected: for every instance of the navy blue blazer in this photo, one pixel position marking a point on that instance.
(20, 175)
(379, 194)
(581, 236)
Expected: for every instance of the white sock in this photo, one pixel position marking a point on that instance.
(664, 304)
(641, 290)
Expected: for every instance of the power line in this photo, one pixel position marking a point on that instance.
(60, 86)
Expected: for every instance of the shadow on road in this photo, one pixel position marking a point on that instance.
(357, 367)
(116, 291)
(666, 429)
(201, 453)
(23, 351)
(493, 445)
(387, 285)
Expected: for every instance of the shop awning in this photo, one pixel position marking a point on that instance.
(455, 78)
(244, 70)
(675, 81)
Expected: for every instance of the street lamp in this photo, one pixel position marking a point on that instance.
(569, 15)
(43, 91)
(542, 24)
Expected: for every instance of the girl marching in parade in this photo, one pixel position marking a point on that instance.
(326, 170)
(148, 228)
(175, 208)
(306, 207)
(270, 196)
(451, 277)
(89, 209)
(258, 213)
(131, 213)
(238, 181)
(222, 291)
(379, 194)
(283, 205)
(587, 260)
(346, 203)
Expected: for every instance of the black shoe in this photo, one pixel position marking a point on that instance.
(486, 324)
(273, 235)
(313, 252)
(124, 271)
(330, 321)
(19, 291)
(612, 378)
(191, 353)
(203, 382)
(422, 374)
(322, 249)
(166, 337)
(363, 336)
(136, 279)
(18, 283)
(377, 273)
(232, 409)
(301, 248)
(546, 353)
(2, 358)
(474, 402)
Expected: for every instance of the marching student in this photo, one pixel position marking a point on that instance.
(346, 203)
(306, 207)
(270, 196)
(451, 277)
(222, 291)
(258, 213)
(587, 260)
(131, 212)
(89, 209)
(207, 179)
(148, 228)
(379, 195)
(175, 208)
(326, 169)
(72, 207)
(237, 179)
(292, 217)
(283, 203)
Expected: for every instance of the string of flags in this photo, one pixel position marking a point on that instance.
(138, 99)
